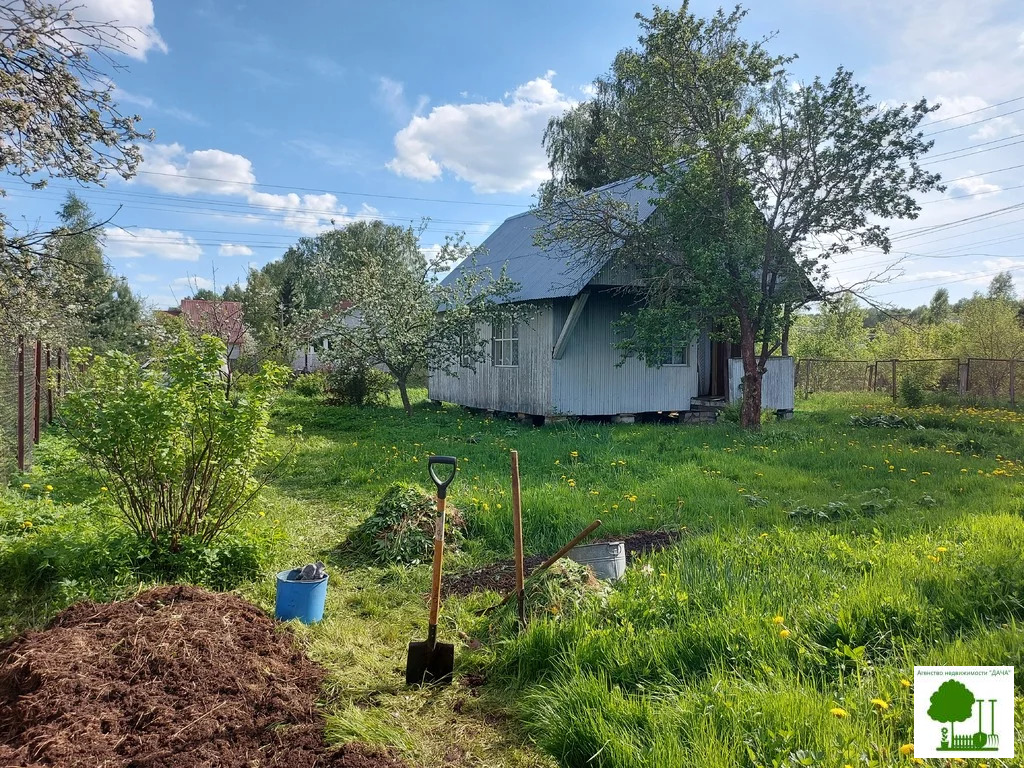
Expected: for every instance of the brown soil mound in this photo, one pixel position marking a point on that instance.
(501, 575)
(177, 676)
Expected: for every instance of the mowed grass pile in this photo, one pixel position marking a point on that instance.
(818, 563)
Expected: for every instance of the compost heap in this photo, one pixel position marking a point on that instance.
(176, 676)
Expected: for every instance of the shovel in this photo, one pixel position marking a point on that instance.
(430, 661)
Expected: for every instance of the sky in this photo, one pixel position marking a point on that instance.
(276, 121)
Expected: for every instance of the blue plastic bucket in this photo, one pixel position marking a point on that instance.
(302, 600)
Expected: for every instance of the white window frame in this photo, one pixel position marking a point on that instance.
(505, 344)
(677, 356)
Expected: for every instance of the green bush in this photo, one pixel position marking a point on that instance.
(360, 386)
(911, 393)
(401, 528)
(183, 448)
(311, 384)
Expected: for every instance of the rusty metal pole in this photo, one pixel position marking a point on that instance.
(37, 391)
(49, 389)
(21, 403)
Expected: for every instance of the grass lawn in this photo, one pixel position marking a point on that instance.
(819, 562)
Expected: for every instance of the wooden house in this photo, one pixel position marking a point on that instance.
(562, 359)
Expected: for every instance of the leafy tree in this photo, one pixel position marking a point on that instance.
(758, 182)
(206, 294)
(939, 310)
(836, 332)
(395, 313)
(102, 307)
(1002, 287)
(952, 703)
(234, 292)
(182, 455)
(58, 119)
(990, 329)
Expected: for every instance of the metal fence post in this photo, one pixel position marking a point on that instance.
(37, 391)
(807, 380)
(49, 389)
(21, 403)
(894, 381)
(60, 369)
(1013, 381)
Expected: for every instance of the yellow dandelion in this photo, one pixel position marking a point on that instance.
(574, 454)
(880, 704)
(785, 633)
(933, 558)
(905, 683)
(26, 486)
(778, 620)
(839, 712)
(941, 549)
(49, 487)
(27, 524)
(103, 489)
(907, 749)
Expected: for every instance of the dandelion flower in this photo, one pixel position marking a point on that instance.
(784, 633)
(27, 524)
(905, 683)
(880, 704)
(941, 549)
(103, 488)
(26, 486)
(907, 749)
(49, 487)
(778, 620)
(933, 558)
(839, 712)
(574, 454)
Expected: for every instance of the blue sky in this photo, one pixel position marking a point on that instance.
(274, 119)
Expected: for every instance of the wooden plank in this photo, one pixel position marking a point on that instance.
(570, 323)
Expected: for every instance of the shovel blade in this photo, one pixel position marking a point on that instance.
(430, 665)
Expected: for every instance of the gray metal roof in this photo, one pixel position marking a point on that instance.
(547, 273)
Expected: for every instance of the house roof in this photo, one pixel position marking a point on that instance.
(547, 273)
(217, 318)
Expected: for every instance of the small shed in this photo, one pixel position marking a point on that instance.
(562, 359)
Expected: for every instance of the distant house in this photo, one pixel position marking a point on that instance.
(562, 360)
(224, 319)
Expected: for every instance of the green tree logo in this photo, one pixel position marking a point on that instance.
(953, 703)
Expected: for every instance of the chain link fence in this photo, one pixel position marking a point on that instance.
(974, 379)
(28, 396)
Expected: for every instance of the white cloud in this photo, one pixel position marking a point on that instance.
(194, 283)
(973, 186)
(495, 145)
(391, 96)
(122, 96)
(169, 168)
(146, 278)
(230, 249)
(145, 242)
(136, 19)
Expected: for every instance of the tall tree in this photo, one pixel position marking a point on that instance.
(101, 305)
(758, 180)
(939, 310)
(1001, 287)
(395, 313)
(58, 119)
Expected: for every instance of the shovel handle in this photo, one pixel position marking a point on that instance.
(442, 483)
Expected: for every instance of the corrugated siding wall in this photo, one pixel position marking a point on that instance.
(586, 381)
(777, 386)
(523, 389)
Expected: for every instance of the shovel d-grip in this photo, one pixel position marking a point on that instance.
(442, 484)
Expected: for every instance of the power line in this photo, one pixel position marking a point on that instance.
(979, 109)
(963, 150)
(967, 125)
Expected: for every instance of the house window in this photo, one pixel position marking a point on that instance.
(677, 354)
(505, 343)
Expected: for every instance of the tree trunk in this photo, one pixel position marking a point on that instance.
(403, 390)
(750, 407)
(787, 321)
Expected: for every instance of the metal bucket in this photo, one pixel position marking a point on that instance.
(607, 558)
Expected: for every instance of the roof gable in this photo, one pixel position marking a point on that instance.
(546, 273)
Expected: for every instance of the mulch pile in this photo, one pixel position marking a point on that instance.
(500, 576)
(177, 676)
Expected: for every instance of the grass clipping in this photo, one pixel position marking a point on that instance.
(401, 528)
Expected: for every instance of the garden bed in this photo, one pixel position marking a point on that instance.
(500, 576)
(176, 676)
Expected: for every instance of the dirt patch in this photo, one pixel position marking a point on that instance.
(500, 576)
(176, 676)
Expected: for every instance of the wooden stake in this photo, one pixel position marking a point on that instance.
(517, 532)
